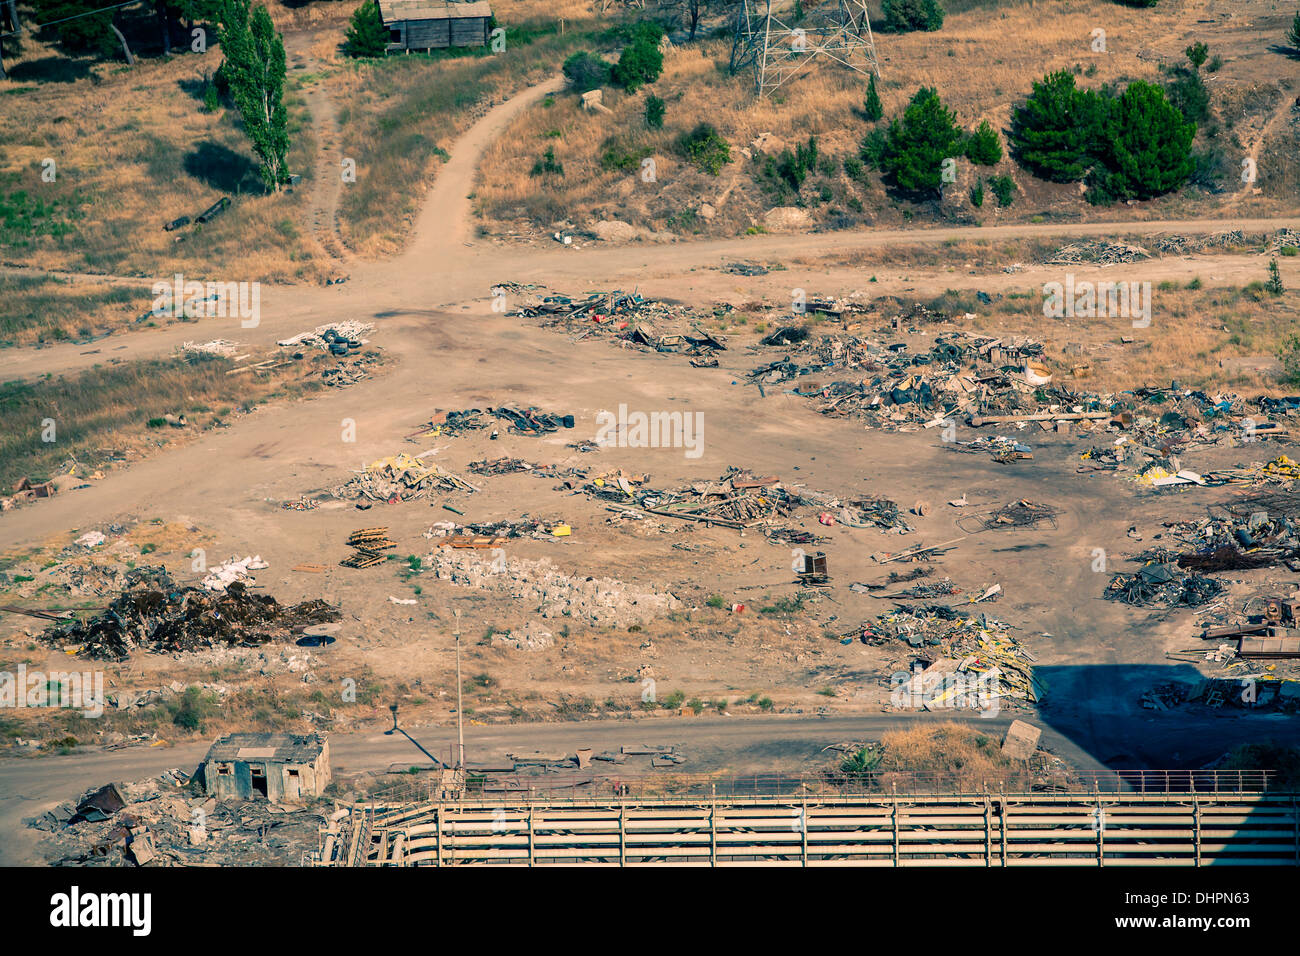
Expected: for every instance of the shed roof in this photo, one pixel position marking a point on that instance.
(279, 748)
(392, 11)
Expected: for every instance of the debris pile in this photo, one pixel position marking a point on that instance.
(980, 649)
(1098, 252)
(531, 421)
(369, 545)
(630, 319)
(338, 338)
(738, 499)
(155, 614)
(399, 478)
(450, 424)
(545, 589)
(159, 822)
(234, 570)
(1163, 584)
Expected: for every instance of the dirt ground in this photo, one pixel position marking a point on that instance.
(447, 348)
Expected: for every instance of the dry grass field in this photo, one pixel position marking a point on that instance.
(132, 150)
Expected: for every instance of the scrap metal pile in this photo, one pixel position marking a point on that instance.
(531, 421)
(1233, 541)
(399, 478)
(1163, 584)
(450, 424)
(155, 614)
(962, 374)
(629, 318)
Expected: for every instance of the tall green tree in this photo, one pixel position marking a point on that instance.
(1293, 34)
(917, 144)
(1056, 131)
(255, 68)
(1147, 145)
(871, 106)
(367, 35)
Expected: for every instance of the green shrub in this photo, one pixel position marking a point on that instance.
(548, 164)
(904, 16)
(705, 148)
(1147, 146)
(620, 156)
(1056, 132)
(1003, 188)
(977, 194)
(585, 71)
(654, 112)
(641, 61)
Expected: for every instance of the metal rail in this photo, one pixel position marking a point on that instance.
(977, 830)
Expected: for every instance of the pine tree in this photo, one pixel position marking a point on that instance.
(871, 106)
(255, 68)
(984, 148)
(1293, 35)
(1057, 130)
(367, 36)
(1147, 144)
(917, 145)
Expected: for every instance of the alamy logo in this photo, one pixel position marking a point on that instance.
(651, 430)
(209, 300)
(1091, 300)
(74, 909)
(77, 690)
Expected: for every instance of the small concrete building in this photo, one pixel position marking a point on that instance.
(282, 768)
(435, 24)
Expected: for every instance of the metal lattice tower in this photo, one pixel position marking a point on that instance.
(779, 39)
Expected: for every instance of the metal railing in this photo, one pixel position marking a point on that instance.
(582, 786)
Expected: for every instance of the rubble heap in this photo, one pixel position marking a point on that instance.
(552, 593)
(154, 614)
(399, 478)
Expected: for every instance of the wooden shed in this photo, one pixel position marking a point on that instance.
(435, 24)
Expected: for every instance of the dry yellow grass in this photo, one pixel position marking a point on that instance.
(133, 149)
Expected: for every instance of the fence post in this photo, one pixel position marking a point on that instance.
(437, 830)
(531, 844)
(1196, 829)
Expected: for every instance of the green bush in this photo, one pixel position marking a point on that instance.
(1003, 188)
(977, 194)
(872, 148)
(1293, 34)
(1186, 90)
(1057, 130)
(706, 149)
(871, 106)
(548, 164)
(641, 61)
(654, 112)
(585, 71)
(904, 16)
(983, 148)
(620, 156)
(917, 145)
(367, 35)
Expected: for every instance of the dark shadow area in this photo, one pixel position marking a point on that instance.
(1099, 708)
(50, 69)
(222, 168)
(1282, 49)
(194, 87)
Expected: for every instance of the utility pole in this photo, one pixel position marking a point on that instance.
(460, 711)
